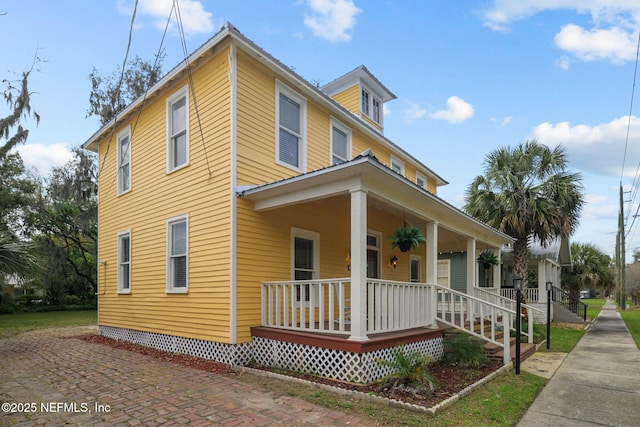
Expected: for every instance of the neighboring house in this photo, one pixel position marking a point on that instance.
(244, 215)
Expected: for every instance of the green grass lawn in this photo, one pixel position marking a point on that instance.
(594, 305)
(631, 317)
(13, 324)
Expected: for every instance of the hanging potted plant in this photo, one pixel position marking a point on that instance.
(487, 259)
(406, 238)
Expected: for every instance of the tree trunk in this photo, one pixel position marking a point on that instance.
(521, 262)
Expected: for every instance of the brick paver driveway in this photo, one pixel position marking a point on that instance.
(53, 380)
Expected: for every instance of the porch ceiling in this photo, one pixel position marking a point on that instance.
(387, 191)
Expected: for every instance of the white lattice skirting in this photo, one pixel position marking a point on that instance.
(337, 364)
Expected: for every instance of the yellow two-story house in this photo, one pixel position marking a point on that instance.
(244, 215)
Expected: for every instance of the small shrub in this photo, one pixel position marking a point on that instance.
(462, 350)
(410, 370)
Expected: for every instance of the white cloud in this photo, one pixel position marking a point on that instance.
(612, 35)
(44, 157)
(195, 19)
(599, 207)
(332, 20)
(598, 149)
(614, 44)
(413, 112)
(457, 111)
(506, 121)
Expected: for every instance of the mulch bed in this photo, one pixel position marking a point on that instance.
(450, 380)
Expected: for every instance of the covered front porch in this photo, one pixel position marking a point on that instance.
(385, 291)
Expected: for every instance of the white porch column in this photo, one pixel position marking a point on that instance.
(358, 264)
(542, 280)
(471, 265)
(432, 252)
(431, 258)
(497, 269)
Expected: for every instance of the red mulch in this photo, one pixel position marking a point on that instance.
(449, 380)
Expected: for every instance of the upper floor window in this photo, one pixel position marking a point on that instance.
(124, 262)
(177, 254)
(365, 102)
(397, 165)
(291, 128)
(371, 106)
(124, 161)
(340, 142)
(375, 110)
(421, 180)
(177, 130)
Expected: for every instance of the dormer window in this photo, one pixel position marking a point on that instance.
(375, 110)
(371, 106)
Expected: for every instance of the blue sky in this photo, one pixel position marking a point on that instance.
(470, 76)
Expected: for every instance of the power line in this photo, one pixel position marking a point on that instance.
(634, 185)
(124, 62)
(191, 85)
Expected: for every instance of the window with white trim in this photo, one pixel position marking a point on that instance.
(291, 112)
(397, 165)
(444, 273)
(375, 110)
(421, 180)
(415, 262)
(124, 262)
(373, 254)
(177, 130)
(177, 254)
(366, 96)
(305, 261)
(124, 161)
(370, 106)
(340, 142)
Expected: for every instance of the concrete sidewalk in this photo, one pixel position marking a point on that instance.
(598, 384)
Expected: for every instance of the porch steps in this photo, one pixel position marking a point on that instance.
(496, 353)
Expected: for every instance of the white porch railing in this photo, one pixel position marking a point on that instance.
(531, 294)
(324, 306)
(309, 305)
(510, 304)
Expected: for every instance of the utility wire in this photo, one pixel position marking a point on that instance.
(124, 62)
(191, 85)
(634, 186)
(146, 91)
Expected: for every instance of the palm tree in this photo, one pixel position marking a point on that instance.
(590, 269)
(527, 193)
(14, 258)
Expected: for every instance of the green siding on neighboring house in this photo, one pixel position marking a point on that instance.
(458, 273)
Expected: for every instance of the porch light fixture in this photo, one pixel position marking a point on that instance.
(549, 289)
(393, 261)
(517, 283)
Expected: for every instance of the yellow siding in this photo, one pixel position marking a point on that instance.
(155, 196)
(265, 250)
(263, 238)
(349, 99)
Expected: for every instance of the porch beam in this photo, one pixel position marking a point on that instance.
(358, 264)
